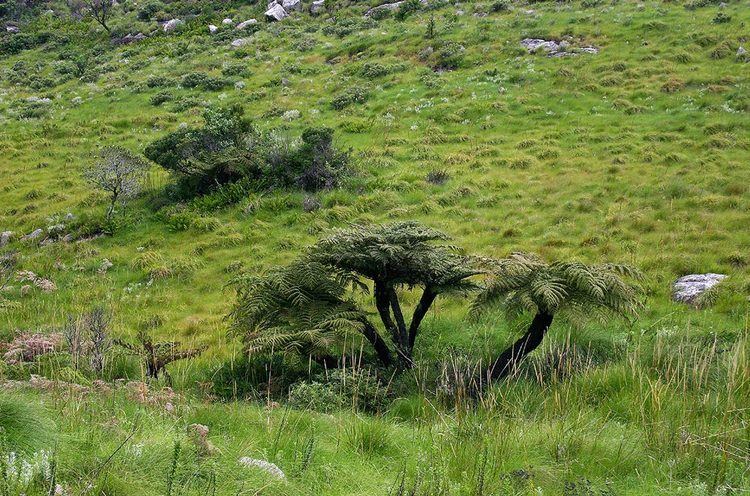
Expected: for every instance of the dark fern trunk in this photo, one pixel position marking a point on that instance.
(380, 346)
(509, 359)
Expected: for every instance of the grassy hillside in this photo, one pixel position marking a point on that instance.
(638, 153)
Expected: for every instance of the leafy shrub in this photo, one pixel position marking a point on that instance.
(340, 389)
(159, 82)
(160, 98)
(204, 81)
(500, 6)
(149, 10)
(228, 150)
(350, 96)
(406, 8)
(372, 70)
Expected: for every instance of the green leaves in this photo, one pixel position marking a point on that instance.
(523, 282)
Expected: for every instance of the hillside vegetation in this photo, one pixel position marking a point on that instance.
(631, 146)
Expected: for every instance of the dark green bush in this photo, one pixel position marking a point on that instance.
(340, 389)
(160, 98)
(204, 81)
(348, 97)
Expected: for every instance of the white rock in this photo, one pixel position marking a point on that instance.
(688, 288)
(172, 24)
(227, 22)
(276, 13)
(12, 29)
(33, 235)
(317, 6)
(291, 5)
(212, 29)
(246, 24)
(240, 42)
(5, 237)
(268, 467)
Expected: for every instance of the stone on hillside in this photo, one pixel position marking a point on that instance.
(227, 22)
(555, 48)
(276, 13)
(317, 6)
(5, 237)
(688, 289)
(12, 29)
(386, 6)
(172, 24)
(130, 38)
(742, 54)
(291, 5)
(267, 467)
(240, 42)
(36, 234)
(212, 29)
(246, 24)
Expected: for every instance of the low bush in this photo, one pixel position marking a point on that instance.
(350, 96)
(229, 150)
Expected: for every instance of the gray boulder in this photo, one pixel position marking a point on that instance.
(212, 29)
(555, 48)
(317, 7)
(386, 6)
(240, 42)
(291, 5)
(172, 25)
(12, 29)
(6, 237)
(36, 234)
(688, 289)
(246, 24)
(227, 22)
(276, 12)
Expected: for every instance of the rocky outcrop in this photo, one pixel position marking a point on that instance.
(239, 43)
(5, 238)
(276, 12)
(173, 24)
(556, 48)
(130, 38)
(318, 7)
(246, 24)
(688, 289)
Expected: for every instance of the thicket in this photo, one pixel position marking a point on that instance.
(228, 149)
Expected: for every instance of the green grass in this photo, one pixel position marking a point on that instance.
(637, 154)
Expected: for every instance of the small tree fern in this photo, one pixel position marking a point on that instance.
(524, 283)
(301, 308)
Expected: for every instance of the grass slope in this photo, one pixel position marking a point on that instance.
(636, 154)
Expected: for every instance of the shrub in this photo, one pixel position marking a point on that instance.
(406, 8)
(160, 98)
(350, 96)
(500, 6)
(229, 150)
(204, 81)
(149, 10)
(340, 389)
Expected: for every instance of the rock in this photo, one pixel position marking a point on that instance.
(172, 25)
(240, 42)
(212, 29)
(742, 54)
(688, 289)
(12, 29)
(554, 48)
(246, 24)
(317, 7)
(5, 237)
(105, 266)
(386, 6)
(36, 234)
(276, 13)
(267, 467)
(130, 38)
(227, 22)
(291, 5)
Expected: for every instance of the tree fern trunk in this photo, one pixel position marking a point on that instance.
(509, 359)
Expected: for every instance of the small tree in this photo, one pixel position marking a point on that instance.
(156, 356)
(525, 283)
(118, 172)
(286, 307)
(101, 11)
